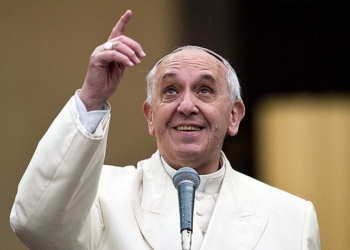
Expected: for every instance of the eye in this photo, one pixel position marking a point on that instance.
(170, 91)
(204, 90)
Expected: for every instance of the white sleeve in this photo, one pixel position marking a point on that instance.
(89, 120)
(311, 234)
(56, 206)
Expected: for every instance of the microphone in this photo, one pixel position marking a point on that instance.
(186, 181)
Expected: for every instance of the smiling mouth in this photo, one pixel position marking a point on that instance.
(188, 128)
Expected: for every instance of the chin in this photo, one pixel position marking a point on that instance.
(188, 155)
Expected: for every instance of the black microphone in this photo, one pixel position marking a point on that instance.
(186, 181)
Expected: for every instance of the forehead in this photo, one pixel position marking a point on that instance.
(193, 61)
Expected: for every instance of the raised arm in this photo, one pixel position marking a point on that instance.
(107, 65)
(56, 205)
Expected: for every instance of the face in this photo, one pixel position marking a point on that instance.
(191, 111)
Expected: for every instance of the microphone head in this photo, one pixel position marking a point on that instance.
(186, 174)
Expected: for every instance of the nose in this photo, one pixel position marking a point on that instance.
(187, 105)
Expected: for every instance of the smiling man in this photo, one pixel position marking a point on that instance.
(191, 109)
(68, 199)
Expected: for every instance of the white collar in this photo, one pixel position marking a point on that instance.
(210, 183)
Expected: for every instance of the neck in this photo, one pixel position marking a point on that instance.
(201, 168)
(211, 187)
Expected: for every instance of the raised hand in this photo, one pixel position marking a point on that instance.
(107, 65)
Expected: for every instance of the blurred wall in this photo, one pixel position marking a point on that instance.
(303, 146)
(45, 48)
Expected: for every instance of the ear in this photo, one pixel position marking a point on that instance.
(147, 112)
(237, 114)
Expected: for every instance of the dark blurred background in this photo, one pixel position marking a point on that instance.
(276, 47)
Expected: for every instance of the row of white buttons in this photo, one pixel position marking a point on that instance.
(200, 213)
(199, 197)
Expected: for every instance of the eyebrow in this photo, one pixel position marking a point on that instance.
(207, 77)
(168, 75)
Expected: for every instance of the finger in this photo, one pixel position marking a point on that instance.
(126, 50)
(132, 44)
(119, 28)
(105, 57)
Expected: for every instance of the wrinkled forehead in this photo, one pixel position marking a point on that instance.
(191, 61)
(196, 63)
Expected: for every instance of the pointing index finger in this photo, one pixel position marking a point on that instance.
(119, 28)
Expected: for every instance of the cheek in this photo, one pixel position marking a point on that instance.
(220, 121)
(164, 112)
(158, 127)
(160, 121)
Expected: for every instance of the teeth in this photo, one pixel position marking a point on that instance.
(187, 128)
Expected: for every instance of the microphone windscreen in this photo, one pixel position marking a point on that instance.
(186, 174)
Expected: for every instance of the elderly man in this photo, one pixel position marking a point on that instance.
(67, 199)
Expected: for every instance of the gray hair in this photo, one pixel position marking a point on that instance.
(231, 77)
